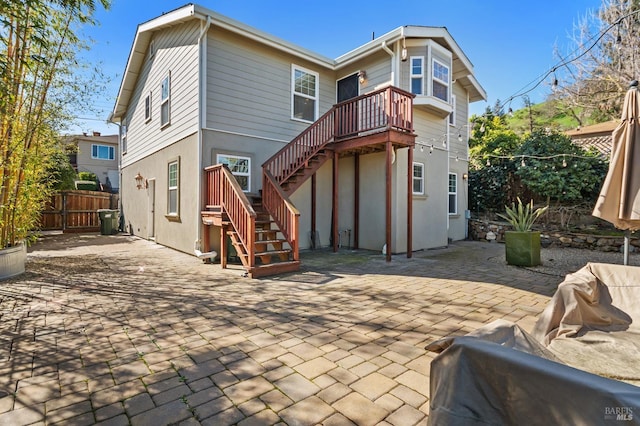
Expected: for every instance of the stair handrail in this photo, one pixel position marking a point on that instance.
(284, 163)
(236, 205)
(282, 210)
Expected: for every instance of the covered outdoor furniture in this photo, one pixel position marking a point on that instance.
(580, 365)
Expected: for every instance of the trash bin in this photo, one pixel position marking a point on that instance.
(108, 221)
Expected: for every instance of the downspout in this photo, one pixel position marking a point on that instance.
(202, 110)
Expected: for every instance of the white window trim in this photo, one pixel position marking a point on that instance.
(147, 107)
(111, 149)
(176, 188)
(413, 76)
(449, 193)
(422, 192)
(167, 78)
(295, 67)
(241, 157)
(452, 116)
(434, 78)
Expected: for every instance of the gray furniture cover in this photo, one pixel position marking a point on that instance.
(578, 368)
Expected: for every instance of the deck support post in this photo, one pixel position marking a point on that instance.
(334, 230)
(388, 174)
(409, 202)
(356, 201)
(313, 211)
(223, 246)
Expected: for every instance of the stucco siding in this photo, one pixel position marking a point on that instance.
(175, 53)
(148, 219)
(249, 88)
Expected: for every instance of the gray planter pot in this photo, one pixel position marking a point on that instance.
(522, 248)
(12, 261)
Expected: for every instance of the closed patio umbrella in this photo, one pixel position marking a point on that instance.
(619, 200)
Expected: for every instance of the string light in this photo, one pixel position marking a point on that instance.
(596, 39)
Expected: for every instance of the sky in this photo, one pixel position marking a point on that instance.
(510, 43)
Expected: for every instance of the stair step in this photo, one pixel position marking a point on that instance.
(274, 269)
(266, 257)
(262, 245)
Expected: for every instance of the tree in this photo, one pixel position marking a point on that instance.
(490, 174)
(594, 77)
(555, 169)
(39, 47)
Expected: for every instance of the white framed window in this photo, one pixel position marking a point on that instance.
(417, 74)
(173, 188)
(440, 81)
(165, 101)
(240, 167)
(452, 116)
(304, 94)
(453, 193)
(147, 108)
(103, 152)
(123, 135)
(418, 179)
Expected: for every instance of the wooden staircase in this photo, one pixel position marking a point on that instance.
(254, 234)
(272, 253)
(265, 230)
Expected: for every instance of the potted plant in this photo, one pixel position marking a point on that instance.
(522, 244)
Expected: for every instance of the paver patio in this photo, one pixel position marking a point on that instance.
(116, 330)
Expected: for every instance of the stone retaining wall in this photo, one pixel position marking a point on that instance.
(480, 230)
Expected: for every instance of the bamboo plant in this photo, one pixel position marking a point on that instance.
(38, 50)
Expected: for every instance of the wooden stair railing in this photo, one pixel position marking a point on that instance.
(233, 202)
(283, 212)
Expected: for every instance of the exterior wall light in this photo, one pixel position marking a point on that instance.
(141, 182)
(362, 76)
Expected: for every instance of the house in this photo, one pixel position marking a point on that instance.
(368, 150)
(596, 136)
(97, 154)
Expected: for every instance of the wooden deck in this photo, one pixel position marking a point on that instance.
(380, 121)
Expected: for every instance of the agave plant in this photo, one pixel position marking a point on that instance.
(522, 217)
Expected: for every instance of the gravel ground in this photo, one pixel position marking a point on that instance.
(563, 261)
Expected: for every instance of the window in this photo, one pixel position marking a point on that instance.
(453, 193)
(418, 179)
(173, 185)
(452, 116)
(123, 135)
(165, 101)
(102, 152)
(440, 82)
(417, 74)
(304, 94)
(147, 108)
(240, 167)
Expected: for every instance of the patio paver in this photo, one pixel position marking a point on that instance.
(119, 330)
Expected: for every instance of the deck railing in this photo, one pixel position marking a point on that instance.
(283, 212)
(384, 109)
(225, 192)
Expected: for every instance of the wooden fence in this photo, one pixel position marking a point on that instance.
(76, 211)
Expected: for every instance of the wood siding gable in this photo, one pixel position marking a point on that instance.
(176, 52)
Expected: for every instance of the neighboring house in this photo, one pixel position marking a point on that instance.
(597, 136)
(368, 150)
(99, 155)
